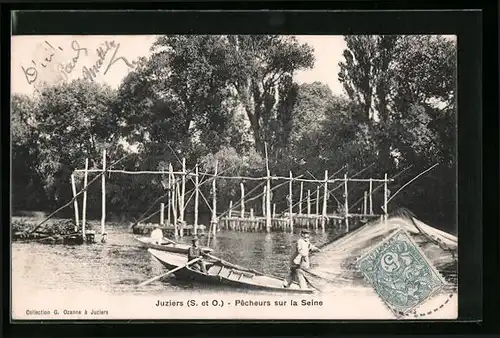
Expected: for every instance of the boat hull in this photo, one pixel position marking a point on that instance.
(220, 274)
(179, 248)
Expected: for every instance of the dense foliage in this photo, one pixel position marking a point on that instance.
(224, 98)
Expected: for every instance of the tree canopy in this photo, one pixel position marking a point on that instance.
(224, 97)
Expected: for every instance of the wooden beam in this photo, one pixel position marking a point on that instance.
(385, 198)
(174, 202)
(84, 211)
(346, 203)
(325, 198)
(365, 199)
(268, 197)
(103, 217)
(317, 201)
(162, 213)
(242, 188)
(308, 202)
(264, 201)
(263, 178)
(188, 174)
(290, 205)
(183, 191)
(214, 199)
(196, 198)
(301, 197)
(371, 197)
(169, 199)
(75, 202)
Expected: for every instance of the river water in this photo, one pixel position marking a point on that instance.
(116, 267)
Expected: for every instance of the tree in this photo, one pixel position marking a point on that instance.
(179, 95)
(405, 87)
(393, 77)
(259, 64)
(27, 192)
(74, 121)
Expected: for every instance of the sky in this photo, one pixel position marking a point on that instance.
(35, 59)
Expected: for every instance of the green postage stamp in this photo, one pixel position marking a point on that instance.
(400, 273)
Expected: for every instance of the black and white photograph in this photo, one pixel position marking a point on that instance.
(234, 177)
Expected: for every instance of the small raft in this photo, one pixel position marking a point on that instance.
(225, 273)
(167, 245)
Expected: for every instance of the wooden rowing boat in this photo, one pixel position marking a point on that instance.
(225, 273)
(167, 245)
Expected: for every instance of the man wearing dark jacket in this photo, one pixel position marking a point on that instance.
(195, 252)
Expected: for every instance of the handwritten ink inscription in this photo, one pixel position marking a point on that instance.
(107, 56)
(31, 73)
(102, 52)
(67, 68)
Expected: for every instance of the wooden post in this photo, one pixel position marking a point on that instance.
(385, 197)
(290, 206)
(301, 197)
(268, 202)
(251, 214)
(180, 226)
(371, 197)
(169, 197)
(274, 210)
(230, 209)
(242, 188)
(316, 220)
(178, 194)
(103, 218)
(308, 203)
(183, 191)
(75, 202)
(162, 214)
(84, 208)
(325, 198)
(268, 197)
(214, 200)
(346, 204)
(317, 201)
(365, 198)
(264, 202)
(174, 202)
(196, 199)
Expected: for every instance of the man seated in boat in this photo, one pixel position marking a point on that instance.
(300, 260)
(194, 252)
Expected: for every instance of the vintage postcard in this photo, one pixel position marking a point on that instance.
(234, 177)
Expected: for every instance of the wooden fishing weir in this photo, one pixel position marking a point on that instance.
(310, 210)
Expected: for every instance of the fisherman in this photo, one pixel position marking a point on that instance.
(195, 252)
(300, 260)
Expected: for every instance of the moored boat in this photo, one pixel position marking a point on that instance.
(167, 245)
(225, 273)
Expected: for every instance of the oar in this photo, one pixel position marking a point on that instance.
(235, 266)
(169, 272)
(169, 240)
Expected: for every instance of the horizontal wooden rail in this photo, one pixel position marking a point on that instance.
(286, 178)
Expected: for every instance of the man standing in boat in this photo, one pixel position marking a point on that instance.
(195, 252)
(300, 260)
